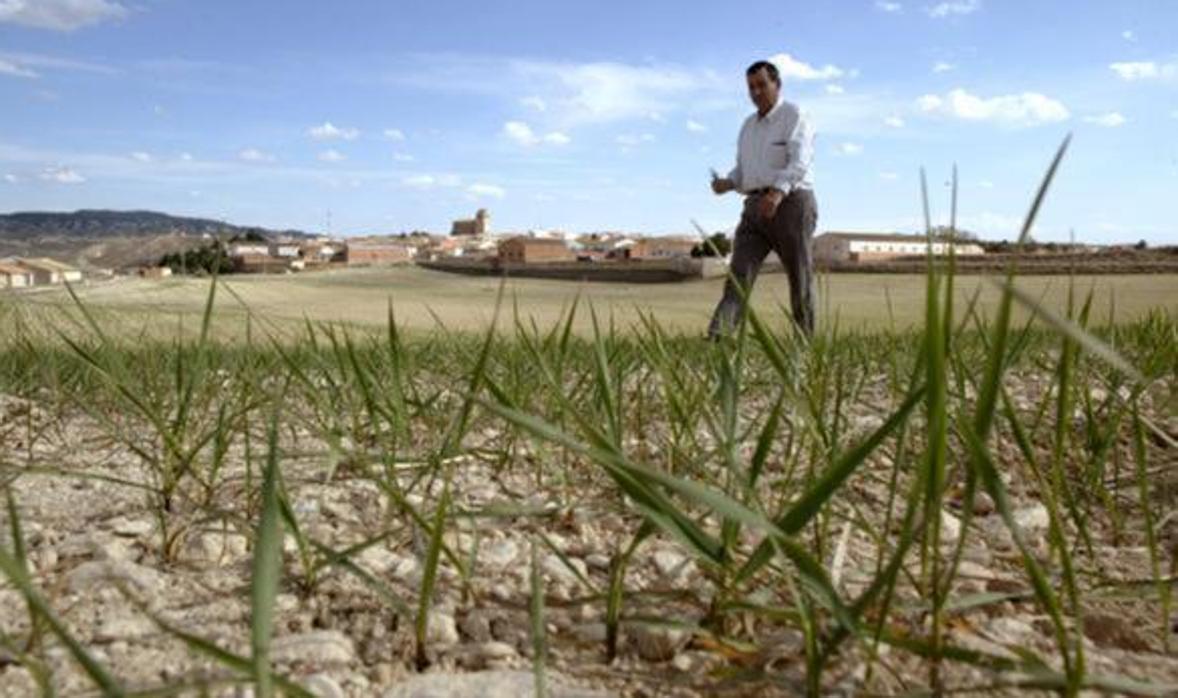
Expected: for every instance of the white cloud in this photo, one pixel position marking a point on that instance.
(403, 157)
(62, 175)
(631, 139)
(1026, 109)
(696, 127)
(894, 121)
(1109, 120)
(394, 134)
(479, 189)
(850, 149)
(59, 15)
(186, 157)
(331, 155)
(607, 92)
(15, 70)
(986, 184)
(255, 155)
(11, 178)
(520, 132)
(954, 7)
(791, 67)
(27, 62)
(141, 156)
(834, 89)
(329, 132)
(1174, 114)
(885, 6)
(523, 134)
(534, 102)
(943, 67)
(419, 181)
(889, 176)
(1143, 70)
(1129, 36)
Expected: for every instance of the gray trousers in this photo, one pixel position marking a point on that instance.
(789, 234)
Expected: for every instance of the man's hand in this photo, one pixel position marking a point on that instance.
(722, 185)
(767, 204)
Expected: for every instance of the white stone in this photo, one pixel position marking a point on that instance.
(493, 651)
(950, 527)
(487, 684)
(668, 562)
(377, 559)
(123, 627)
(320, 648)
(499, 554)
(323, 686)
(1032, 519)
(559, 571)
(441, 630)
(91, 576)
(598, 561)
(131, 528)
(216, 548)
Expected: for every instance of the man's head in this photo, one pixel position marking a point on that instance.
(764, 85)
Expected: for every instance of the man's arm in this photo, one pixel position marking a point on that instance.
(800, 154)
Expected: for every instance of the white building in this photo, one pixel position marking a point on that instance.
(12, 276)
(248, 249)
(874, 247)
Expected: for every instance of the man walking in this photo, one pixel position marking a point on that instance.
(772, 170)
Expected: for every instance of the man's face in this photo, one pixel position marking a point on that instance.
(763, 91)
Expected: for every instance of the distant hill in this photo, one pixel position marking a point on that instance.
(114, 239)
(101, 224)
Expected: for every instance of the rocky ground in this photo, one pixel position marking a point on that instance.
(95, 542)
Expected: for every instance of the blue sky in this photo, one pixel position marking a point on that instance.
(586, 116)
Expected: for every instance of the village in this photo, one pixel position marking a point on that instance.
(473, 245)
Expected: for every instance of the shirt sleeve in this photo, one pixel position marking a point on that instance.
(734, 175)
(800, 153)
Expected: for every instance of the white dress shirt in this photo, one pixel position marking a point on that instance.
(775, 150)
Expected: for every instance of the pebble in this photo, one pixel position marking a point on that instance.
(123, 627)
(131, 528)
(669, 563)
(377, 560)
(950, 527)
(598, 561)
(487, 684)
(476, 626)
(323, 686)
(1032, 519)
(589, 633)
(659, 643)
(559, 571)
(216, 548)
(983, 504)
(441, 631)
(91, 576)
(499, 554)
(319, 648)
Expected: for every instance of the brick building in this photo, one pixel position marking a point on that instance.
(527, 250)
(373, 253)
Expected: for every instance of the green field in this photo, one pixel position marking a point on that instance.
(870, 513)
(422, 298)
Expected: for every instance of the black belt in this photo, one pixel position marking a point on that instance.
(761, 192)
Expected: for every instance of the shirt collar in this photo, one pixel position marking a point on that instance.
(772, 112)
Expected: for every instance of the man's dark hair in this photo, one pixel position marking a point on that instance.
(764, 65)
